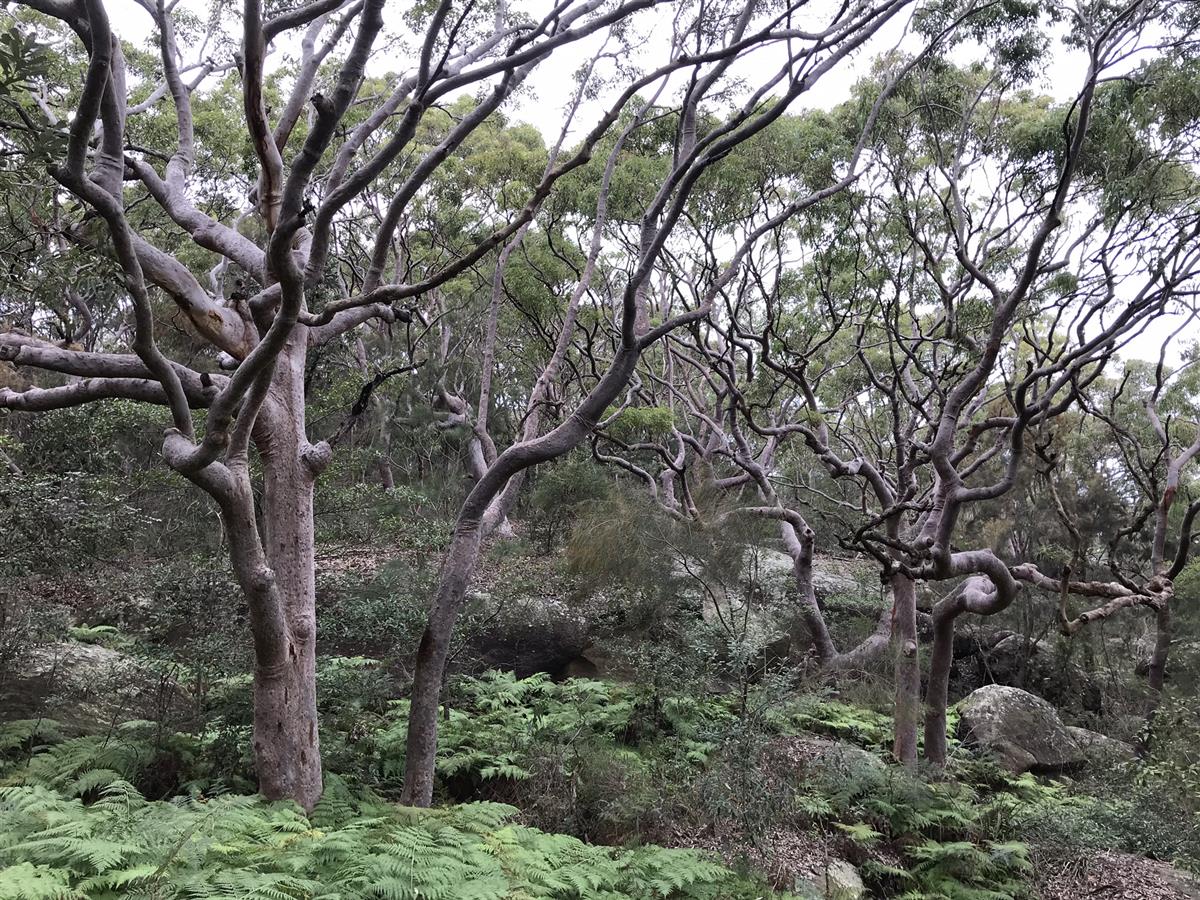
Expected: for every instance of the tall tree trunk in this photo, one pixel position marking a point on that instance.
(421, 750)
(908, 669)
(286, 743)
(801, 547)
(462, 557)
(937, 693)
(1162, 648)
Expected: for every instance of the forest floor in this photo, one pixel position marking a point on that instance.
(1112, 876)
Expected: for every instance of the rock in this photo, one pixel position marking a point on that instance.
(88, 688)
(842, 757)
(600, 662)
(1099, 747)
(1020, 729)
(758, 626)
(837, 881)
(831, 577)
(824, 760)
(1112, 875)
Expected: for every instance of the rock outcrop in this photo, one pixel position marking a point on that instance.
(1099, 747)
(1025, 733)
(88, 688)
(527, 635)
(998, 656)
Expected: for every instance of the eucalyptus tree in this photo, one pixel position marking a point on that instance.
(912, 334)
(256, 259)
(937, 317)
(704, 44)
(986, 279)
(692, 429)
(1152, 421)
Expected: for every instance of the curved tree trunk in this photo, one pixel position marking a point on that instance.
(801, 548)
(908, 669)
(461, 559)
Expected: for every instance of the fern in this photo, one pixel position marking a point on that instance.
(53, 845)
(860, 833)
(25, 881)
(26, 733)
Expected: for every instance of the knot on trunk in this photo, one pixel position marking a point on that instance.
(316, 457)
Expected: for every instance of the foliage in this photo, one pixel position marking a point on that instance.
(378, 613)
(56, 845)
(945, 833)
(842, 720)
(357, 512)
(579, 755)
(1146, 807)
(639, 422)
(561, 489)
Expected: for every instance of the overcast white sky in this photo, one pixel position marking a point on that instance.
(549, 91)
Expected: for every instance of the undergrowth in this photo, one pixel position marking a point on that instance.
(143, 811)
(55, 845)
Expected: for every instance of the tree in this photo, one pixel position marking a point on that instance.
(1150, 415)
(918, 331)
(942, 314)
(974, 318)
(705, 47)
(256, 265)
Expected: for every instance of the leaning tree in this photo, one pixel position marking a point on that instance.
(254, 234)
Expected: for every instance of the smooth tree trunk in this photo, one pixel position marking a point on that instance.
(429, 671)
(907, 669)
(801, 547)
(1162, 648)
(459, 567)
(937, 693)
(386, 479)
(277, 572)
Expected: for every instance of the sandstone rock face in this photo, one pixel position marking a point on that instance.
(831, 577)
(1099, 747)
(1020, 729)
(761, 605)
(87, 688)
(528, 635)
(986, 656)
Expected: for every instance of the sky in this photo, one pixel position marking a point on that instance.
(549, 91)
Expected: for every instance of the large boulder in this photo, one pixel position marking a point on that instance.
(1021, 730)
(89, 688)
(824, 759)
(831, 577)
